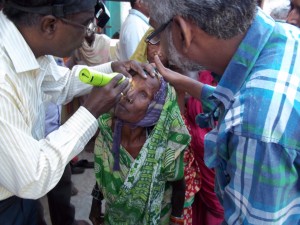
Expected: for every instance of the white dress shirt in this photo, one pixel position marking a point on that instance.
(30, 164)
(132, 30)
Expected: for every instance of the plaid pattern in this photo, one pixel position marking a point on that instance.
(255, 148)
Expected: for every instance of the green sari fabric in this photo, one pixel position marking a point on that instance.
(140, 192)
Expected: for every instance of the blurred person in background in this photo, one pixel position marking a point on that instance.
(133, 29)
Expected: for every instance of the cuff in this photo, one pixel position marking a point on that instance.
(207, 91)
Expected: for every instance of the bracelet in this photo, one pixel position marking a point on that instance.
(176, 220)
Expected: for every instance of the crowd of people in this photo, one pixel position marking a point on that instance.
(219, 147)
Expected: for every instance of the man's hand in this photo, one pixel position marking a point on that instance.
(125, 66)
(179, 81)
(102, 99)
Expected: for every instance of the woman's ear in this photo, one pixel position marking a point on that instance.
(49, 26)
(182, 34)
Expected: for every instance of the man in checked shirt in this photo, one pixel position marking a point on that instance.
(254, 148)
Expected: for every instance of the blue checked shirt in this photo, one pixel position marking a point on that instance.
(255, 147)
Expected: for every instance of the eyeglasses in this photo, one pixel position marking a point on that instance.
(154, 37)
(90, 28)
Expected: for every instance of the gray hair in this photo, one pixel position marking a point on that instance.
(223, 19)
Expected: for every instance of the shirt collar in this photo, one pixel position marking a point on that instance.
(139, 14)
(17, 48)
(244, 59)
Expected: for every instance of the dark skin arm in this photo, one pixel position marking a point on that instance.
(96, 215)
(178, 196)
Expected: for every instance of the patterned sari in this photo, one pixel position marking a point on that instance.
(140, 192)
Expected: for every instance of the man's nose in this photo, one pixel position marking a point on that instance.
(293, 18)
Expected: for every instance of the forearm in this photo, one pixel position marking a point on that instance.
(178, 196)
(179, 81)
(188, 85)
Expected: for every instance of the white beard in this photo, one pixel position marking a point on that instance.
(178, 60)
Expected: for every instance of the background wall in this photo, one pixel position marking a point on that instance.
(118, 13)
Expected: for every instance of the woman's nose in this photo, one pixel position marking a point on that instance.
(130, 96)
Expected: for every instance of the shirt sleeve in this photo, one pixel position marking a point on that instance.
(207, 104)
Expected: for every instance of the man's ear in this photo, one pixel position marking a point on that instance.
(182, 33)
(138, 2)
(49, 26)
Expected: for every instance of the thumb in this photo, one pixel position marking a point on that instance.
(126, 73)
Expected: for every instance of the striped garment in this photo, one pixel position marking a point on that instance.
(255, 148)
(30, 165)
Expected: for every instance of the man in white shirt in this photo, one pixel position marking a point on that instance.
(31, 165)
(133, 29)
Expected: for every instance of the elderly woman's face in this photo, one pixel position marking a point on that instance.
(133, 107)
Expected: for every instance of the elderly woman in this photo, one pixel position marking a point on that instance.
(139, 154)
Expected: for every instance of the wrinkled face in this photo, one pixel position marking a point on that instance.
(294, 14)
(133, 107)
(73, 32)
